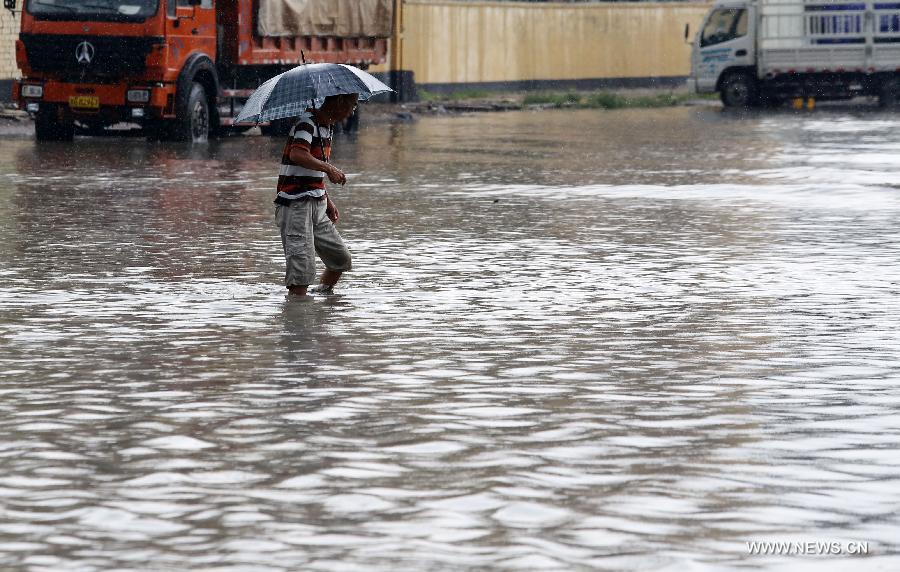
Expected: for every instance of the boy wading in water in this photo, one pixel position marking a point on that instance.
(304, 211)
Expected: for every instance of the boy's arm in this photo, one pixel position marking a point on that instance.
(303, 158)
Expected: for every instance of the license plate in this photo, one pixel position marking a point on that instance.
(84, 102)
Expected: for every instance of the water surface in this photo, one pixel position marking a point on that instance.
(576, 340)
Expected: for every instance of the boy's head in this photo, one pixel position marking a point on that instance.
(337, 108)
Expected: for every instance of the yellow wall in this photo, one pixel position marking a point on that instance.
(472, 42)
(9, 32)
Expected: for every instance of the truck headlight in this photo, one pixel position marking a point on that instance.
(32, 90)
(138, 95)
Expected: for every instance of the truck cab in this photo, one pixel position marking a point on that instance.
(723, 55)
(101, 62)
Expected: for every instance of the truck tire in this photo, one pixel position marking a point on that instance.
(889, 93)
(193, 119)
(49, 127)
(739, 90)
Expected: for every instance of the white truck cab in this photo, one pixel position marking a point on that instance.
(763, 52)
(725, 42)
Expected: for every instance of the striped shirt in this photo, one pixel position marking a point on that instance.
(294, 181)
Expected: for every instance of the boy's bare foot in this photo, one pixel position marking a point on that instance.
(297, 290)
(322, 289)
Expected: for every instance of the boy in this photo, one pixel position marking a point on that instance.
(304, 212)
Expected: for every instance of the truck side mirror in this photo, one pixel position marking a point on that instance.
(9, 4)
(687, 33)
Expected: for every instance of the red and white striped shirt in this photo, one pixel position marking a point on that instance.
(294, 181)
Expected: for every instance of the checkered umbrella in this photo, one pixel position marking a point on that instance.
(291, 93)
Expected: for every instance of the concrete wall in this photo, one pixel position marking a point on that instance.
(518, 45)
(9, 32)
(446, 43)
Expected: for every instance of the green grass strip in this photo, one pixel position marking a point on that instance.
(569, 99)
(606, 100)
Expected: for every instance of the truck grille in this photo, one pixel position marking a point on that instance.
(88, 57)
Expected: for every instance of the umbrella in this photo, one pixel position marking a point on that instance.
(305, 86)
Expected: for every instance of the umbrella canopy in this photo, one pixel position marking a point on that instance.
(305, 86)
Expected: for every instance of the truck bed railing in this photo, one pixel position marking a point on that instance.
(887, 23)
(818, 24)
(819, 37)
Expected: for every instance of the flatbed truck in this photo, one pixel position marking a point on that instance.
(765, 52)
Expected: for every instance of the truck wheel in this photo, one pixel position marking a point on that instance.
(739, 90)
(889, 93)
(193, 121)
(49, 127)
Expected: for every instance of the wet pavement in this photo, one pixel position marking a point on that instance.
(572, 340)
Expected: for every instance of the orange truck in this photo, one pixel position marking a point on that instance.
(181, 69)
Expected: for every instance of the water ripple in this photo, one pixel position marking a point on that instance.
(627, 340)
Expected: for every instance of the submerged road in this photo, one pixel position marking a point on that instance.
(572, 340)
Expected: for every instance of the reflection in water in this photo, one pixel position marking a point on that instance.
(575, 340)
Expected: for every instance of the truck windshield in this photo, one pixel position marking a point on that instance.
(723, 25)
(108, 10)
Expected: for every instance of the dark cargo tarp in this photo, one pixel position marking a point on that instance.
(341, 18)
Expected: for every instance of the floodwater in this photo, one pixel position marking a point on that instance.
(572, 340)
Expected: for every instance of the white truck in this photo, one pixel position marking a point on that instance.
(764, 52)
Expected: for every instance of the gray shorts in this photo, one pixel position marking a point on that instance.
(305, 232)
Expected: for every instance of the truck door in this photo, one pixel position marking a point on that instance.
(725, 41)
(191, 27)
(191, 31)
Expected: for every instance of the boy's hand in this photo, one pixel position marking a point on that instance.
(335, 175)
(331, 212)
(301, 156)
